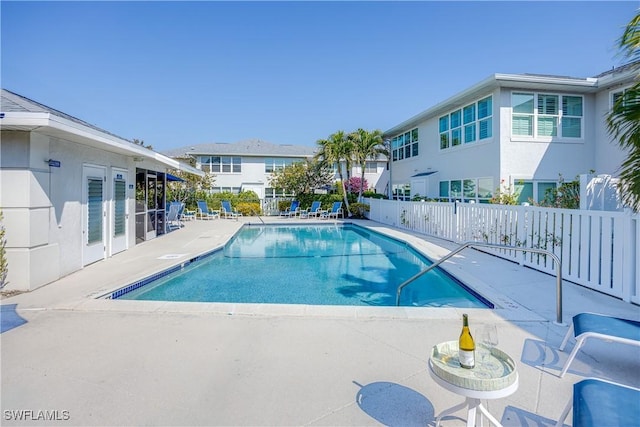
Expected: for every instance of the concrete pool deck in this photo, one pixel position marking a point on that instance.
(89, 361)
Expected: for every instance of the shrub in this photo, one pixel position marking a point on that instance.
(374, 195)
(359, 210)
(248, 208)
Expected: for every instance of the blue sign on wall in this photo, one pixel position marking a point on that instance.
(54, 163)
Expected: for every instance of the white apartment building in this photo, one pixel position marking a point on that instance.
(516, 131)
(248, 165)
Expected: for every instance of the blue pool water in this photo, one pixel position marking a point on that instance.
(309, 264)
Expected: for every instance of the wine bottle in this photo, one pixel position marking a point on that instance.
(466, 345)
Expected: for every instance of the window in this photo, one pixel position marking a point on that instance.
(455, 128)
(371, 167)
(546, 115)
(472, 123)
(402, 192)
(456, 189)
(615, 96)
(219, 164)
(444, 190)
(485, 122)
(444, 132)
(470, 189)
(275, 164)
(234, 190)
(405, 145)
(532, 191)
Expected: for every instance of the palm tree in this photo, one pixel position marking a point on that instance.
(623, 121)
(366, 146)
(334, 150)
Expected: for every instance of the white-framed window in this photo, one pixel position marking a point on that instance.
(469, 124)
(532, 190)
(371, 167)
(278, 163)
(617, 94)
(546, 116)
(479, 190)
(234, 190)
(220, 164)
(402, 192)
(271, 193)
(405, 145)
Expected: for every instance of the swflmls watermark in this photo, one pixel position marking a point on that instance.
(36, 415)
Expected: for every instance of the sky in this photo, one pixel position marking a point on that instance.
(183, 73)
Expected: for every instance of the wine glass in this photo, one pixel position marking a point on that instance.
(489, 339)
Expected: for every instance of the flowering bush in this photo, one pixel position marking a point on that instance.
(354, 183)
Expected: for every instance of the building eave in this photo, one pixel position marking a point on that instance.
(59, 127)
(515, 81)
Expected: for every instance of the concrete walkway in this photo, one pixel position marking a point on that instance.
(85, 361)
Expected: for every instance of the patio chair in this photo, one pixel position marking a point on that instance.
(336, 210)
(173, 221)
(204, 212)
(228, 211)
(314, 210)
(602, 403)
(292, 210)
(188, 215)
(591, 325)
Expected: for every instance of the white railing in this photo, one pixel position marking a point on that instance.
(597, 249)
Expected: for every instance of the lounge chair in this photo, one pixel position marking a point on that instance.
(204, 212)
(187, 214)
(173, 221)
(292, 210)
(227, 211)
(591, 325)
(336, 210)
(314, 210)
(602, 403)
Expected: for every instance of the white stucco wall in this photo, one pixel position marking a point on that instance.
(24, 183)
(608, 155)
(528, 159)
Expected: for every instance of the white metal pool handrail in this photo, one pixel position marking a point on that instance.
(496, 246)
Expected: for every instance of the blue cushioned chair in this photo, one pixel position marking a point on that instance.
(591, 325)
(600, 403)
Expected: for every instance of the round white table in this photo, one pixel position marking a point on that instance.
(497, 379)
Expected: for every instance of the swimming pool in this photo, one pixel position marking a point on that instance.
(307, 264)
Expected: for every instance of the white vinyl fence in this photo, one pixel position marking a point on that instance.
(598, 249)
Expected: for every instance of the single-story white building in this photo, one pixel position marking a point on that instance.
(72, 193)
(516, 131)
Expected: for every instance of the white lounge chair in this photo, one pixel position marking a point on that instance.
(598, 403)
(591, 325)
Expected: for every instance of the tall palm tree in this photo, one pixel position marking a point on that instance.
(624, 121)
(366, 146)
(335, 150)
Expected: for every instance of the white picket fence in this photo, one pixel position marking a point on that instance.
(598, 249)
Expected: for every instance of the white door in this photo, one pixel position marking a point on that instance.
(93, 214)
(119, 212)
